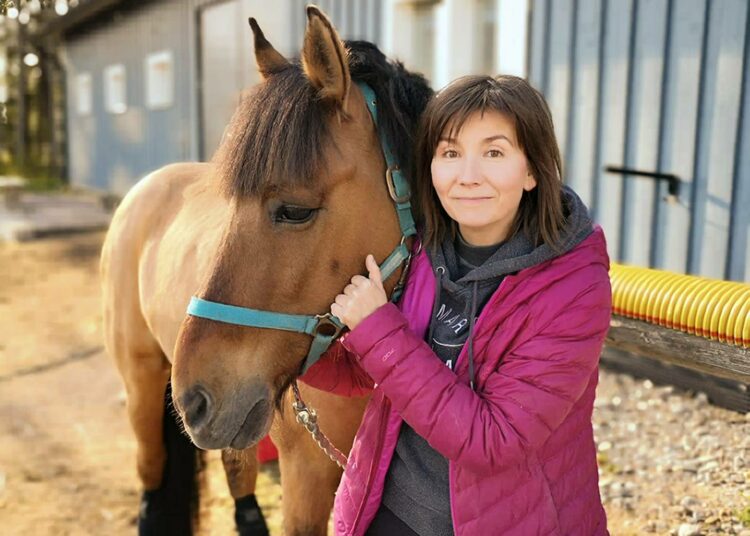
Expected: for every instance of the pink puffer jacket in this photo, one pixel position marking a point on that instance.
(522, 459)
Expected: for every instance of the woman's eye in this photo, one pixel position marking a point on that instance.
(450, 153)
(494, 153)
(292, 214)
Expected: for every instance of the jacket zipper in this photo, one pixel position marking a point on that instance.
(375, 462)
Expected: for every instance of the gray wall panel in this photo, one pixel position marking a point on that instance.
(559, 67)
(112, 151)
(613, 111)
(643, 131)
(680, 123)
(655, 85)
(720, 107)
(585, 100)
(537, 49)
(739, 253)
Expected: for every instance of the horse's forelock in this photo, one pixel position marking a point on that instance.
(275, 137)
(278, 133)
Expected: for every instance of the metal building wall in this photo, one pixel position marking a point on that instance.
(654, 85)
(112, 151)
(353, 19)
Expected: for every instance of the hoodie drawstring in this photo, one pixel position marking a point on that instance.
(471, 334)
(439, 271)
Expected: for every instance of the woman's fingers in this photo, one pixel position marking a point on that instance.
(374, 270)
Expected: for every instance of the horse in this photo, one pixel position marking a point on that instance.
(281, 218)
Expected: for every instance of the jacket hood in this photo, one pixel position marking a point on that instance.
(517, 253)
(512, 256)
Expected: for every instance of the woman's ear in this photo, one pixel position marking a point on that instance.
(529, 183)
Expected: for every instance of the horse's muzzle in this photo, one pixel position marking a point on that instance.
(227, 425)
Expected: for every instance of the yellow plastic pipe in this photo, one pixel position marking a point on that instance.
(709, 308)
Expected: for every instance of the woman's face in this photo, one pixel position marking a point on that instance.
(479, 177)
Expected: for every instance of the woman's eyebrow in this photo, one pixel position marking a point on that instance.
(498, 137)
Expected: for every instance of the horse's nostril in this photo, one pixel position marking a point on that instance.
(197, 405)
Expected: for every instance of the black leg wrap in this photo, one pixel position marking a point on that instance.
(158, 517)
(249, 518)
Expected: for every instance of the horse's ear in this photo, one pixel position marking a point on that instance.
(269, 60)
(324, 58)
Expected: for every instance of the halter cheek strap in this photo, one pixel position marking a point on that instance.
(326, 328)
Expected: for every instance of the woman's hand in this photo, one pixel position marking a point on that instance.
(361, 297)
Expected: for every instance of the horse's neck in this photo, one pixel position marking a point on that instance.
(180, 246)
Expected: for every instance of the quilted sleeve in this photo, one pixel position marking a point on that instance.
(520, 404)
(338, 372)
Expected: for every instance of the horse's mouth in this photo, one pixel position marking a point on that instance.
(254, 427)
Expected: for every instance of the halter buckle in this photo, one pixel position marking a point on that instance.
(326, 321)
(392, 187)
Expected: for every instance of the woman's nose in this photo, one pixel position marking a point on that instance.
(470, 173)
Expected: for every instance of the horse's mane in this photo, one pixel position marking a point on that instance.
(276, 136)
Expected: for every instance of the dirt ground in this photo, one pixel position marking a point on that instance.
(67, 453)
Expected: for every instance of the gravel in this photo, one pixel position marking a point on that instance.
(669, 462)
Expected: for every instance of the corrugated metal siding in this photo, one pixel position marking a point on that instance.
(654, 85)
(112, 151)
(358, 19)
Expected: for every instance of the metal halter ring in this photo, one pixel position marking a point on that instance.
(392, 188)
(325, 321)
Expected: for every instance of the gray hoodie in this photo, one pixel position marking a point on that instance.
(416, 486)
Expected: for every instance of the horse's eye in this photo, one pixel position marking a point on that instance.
(292, 214)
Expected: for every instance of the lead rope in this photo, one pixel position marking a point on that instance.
(308, 418)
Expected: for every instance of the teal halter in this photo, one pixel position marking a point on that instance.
(326, 328)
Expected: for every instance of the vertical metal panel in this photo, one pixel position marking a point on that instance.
(655, 85)
(558, 87)
(222, 75)
(677, 148)
(584, 99)
(660, 188)
(299, 16)
(377, 25)
(596, 164)
(352, 8)
(361, 15)
(573, 68)
(337, 16)
(613, 113)
(738, 266)
(718, 119)
(643, 128)
(537, 46)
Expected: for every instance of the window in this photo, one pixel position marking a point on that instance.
(115, 89)
(159, 80)
(83, 94)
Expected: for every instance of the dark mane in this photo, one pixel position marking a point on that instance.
(278, 131)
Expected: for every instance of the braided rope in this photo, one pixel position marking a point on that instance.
(308, 418)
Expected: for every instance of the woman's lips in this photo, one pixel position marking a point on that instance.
(471, 200)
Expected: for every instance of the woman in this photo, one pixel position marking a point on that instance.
(485, 373)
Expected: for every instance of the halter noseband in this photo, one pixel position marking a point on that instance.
(326, 328)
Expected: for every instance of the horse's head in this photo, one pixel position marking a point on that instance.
(303, 166)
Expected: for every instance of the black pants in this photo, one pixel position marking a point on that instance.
(387, 524)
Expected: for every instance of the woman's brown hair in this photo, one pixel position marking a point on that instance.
(540, 214)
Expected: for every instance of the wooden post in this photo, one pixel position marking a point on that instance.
(704, 355)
